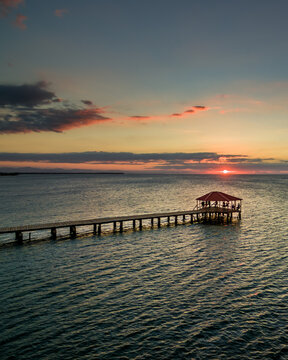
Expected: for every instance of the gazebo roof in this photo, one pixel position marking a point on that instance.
(217, 196)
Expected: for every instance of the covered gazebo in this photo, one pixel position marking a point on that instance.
(217, 202)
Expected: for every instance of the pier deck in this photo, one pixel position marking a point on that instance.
(204, 214)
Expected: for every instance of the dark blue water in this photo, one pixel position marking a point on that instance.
(187, 292)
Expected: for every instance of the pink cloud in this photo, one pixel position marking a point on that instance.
(235, 110)
(192, 110)
(60, 12)
(235, 103)
(19, 22)
(7, 5)
(163, 117)
(139, 117)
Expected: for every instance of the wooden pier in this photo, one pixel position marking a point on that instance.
(204, 214)
(214, 207)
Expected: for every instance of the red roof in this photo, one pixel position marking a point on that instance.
(217, 196)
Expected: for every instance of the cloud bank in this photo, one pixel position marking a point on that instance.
(198, 162)
(102, 156)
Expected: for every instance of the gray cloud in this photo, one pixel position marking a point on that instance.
(87, 102)
(32, 108)
(249, 160)
(103, 157)
(56, 120)
(25, 95)
(200, 107)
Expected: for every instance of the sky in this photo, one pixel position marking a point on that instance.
(162, 86)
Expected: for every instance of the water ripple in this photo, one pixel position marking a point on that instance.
(186, 292)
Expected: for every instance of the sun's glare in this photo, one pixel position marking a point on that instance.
(225, 171)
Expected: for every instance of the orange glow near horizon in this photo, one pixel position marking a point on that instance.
(125, 166)
(229, 172)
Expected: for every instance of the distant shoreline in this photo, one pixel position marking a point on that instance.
(9, 174)
(60, 173)
(3, 173)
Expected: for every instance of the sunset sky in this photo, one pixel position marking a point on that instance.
(162, 86)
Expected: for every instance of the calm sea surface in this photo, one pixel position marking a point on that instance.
(187, 292)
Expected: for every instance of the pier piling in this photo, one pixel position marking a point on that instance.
(53, 233)
(19, 237)
(73, 231)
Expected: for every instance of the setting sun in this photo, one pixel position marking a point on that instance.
(226, 171)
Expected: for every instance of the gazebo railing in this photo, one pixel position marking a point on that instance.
(218, 207)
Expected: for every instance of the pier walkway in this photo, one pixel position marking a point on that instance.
(203, 214)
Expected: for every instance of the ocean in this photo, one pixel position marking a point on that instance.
(195, 291)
